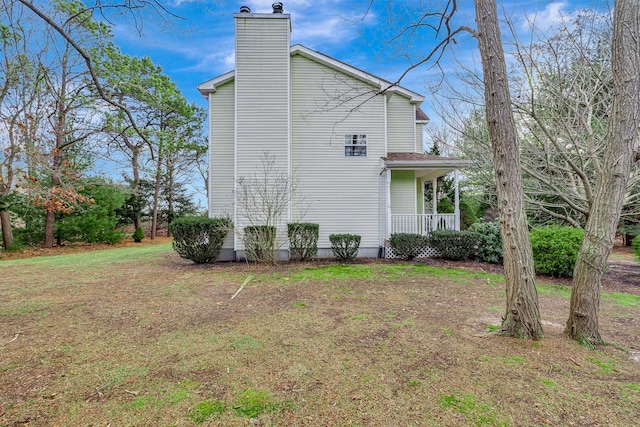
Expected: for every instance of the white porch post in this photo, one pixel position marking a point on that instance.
(434, 196)
(457, 201)
(388, 194)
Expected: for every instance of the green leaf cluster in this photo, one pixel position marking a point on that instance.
(455, 245)
(490, 246)
(96, 220)
(303, 240)
(555, 249)
(199, 239)
(345, 246)
(407, 245)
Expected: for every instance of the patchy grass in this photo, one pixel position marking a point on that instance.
(138, 336)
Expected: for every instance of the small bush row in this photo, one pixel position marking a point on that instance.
(555, 248)
(200, 239)
(481, 242)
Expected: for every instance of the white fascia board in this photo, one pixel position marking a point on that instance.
(383, 85)
(210, 85)
(427, 164)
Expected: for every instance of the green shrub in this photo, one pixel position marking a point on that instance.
(260, 243)
(445, 206)
(555, 249)
(345, 246)
(408, 245)
(199, 239)
(95, 221)
(455, 245)
(490, 246)
(138, 235)
(303, 240)
(467, 214)
(635, 243)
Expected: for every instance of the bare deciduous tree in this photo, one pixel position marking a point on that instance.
(620, 153)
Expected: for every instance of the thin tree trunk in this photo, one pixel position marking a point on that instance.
(169, 192)
(49, 237)
(522, 316)
(618, 158)
(7, 231)
(156, 199)
(135, 154)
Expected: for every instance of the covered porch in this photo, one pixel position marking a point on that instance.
(406, 177)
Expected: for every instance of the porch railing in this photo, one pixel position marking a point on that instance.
(422, 223)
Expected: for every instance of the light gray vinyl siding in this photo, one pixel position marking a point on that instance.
(262, 96)
(400, 125)
(340, 193)
(419, 147)
(403, 192)
(221, 134)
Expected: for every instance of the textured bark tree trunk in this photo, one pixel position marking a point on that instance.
(135, 154)
(522, 316)
(156, 198)
(7, 231)
(618, 158)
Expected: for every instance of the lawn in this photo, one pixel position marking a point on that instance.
(137, 337)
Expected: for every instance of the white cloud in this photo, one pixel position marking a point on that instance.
(553, 14)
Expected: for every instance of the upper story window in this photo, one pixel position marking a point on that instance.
(355, 145)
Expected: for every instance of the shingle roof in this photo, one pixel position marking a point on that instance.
(421, 116)
(413, 157)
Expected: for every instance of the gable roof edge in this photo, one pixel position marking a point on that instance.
(210, 86)
(384, 85)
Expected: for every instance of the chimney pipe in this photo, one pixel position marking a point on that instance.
(277, 7)
(245, 9)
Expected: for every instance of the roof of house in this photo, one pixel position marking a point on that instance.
(384, 86)
(421, 116)
(420, 160)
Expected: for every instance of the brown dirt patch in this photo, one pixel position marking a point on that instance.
(143, 340)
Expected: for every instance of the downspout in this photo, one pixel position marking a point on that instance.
(434, 192)
(457, 202)
(380, 242)
(388, 203)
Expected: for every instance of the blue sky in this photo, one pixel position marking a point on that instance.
(200, 46)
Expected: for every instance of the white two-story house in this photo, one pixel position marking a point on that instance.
(350, 142)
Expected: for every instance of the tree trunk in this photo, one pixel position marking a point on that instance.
(156, 198)
(49, 237)
(522, 317)
(7, 231)
(618, 158)
(135, 154)
(169, 192)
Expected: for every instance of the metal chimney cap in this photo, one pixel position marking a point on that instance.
(245, 9)
(277, 7)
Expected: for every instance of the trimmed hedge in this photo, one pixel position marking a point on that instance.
(345, 246)
(303, 240)
(555, 249)
(199, 239)
(490, 247)
(138, 235)
(455, 245)
(260, 243)
(408, 245)
(635, 243)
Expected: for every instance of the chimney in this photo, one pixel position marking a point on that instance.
(277, 7)
(245, 9)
